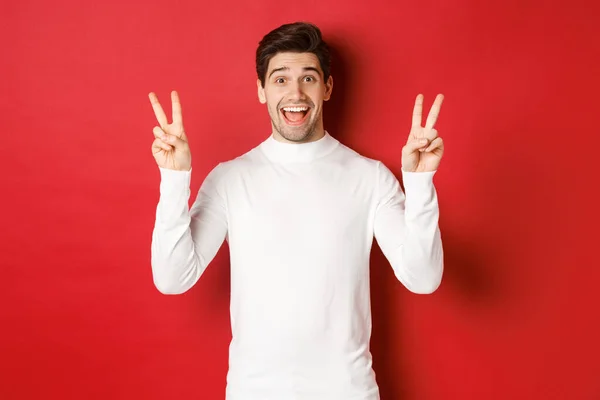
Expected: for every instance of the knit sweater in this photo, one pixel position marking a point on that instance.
(300, 220)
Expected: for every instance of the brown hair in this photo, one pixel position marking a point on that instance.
(297, 37)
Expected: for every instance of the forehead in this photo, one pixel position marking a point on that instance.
(294, 61)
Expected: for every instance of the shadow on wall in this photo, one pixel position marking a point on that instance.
(469, 270)
(335, 109)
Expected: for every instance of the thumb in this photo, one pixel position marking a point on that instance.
(174, 141)
(414, 144)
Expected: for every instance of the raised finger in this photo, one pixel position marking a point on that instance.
(418, 112)
(435, 111)
(158, 111)
(176, 106)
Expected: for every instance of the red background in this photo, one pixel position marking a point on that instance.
(517, 313)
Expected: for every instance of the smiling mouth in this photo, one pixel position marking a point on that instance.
(295, 115)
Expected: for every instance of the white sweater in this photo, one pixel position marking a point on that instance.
(300, 221)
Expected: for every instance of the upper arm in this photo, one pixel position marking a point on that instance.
(389, 222)
(209, 222)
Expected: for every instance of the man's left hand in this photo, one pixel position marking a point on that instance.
(424, 149)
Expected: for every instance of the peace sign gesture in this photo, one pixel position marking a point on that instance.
(170, 147)
(424, 149)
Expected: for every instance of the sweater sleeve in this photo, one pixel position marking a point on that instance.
(406, 229)
(184, 240)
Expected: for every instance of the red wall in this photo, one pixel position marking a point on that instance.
(516, 316)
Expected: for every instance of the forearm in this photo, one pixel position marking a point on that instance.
(406, 228)
(422, 251)
(175, 264)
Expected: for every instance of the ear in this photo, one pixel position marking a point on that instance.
(328, 88)
(261, 92)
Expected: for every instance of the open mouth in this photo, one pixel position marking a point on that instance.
(295, 115)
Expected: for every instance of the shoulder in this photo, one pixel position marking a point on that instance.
(384, 180)
(352, 158)
(250, 159)
(244, 163)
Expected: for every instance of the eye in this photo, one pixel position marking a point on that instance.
(279, 80)
(309, 79)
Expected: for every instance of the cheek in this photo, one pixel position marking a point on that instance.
(273, 107)
(317, 94)
(273, 101)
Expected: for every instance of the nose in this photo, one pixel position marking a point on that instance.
(296, 92)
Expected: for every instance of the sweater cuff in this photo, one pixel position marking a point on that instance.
(420, 192)
(418, 181)
(173, 181)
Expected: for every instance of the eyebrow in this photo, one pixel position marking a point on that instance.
(303, 69)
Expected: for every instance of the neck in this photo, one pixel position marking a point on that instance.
(288, 152)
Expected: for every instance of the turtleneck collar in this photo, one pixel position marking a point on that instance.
(281, 152)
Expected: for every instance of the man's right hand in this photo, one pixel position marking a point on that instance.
(170, 147)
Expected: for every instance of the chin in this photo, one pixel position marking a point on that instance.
(296, 136)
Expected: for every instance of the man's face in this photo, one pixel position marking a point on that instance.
(294, 93)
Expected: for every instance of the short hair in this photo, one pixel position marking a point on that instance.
(297, 37)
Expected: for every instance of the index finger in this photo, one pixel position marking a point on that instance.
(434, 112)
(176, 106)
(418, 112)
(158, 111)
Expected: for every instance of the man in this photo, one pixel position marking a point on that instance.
(299, 212)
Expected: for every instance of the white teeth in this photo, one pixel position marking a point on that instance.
(295, 109)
